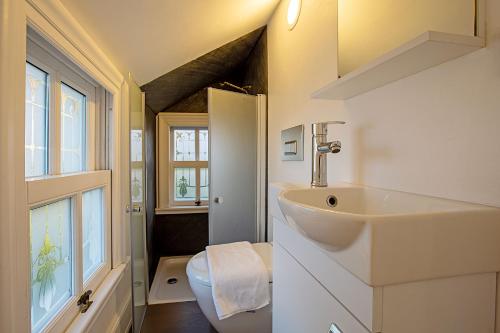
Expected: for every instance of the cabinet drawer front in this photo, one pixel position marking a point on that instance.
(363, 301)
(301, 304)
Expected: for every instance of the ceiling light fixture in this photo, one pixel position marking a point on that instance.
(293, 13)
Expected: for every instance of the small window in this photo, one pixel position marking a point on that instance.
(51, 261)
(189, 166)
(36, 121)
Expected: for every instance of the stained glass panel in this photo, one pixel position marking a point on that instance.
(93, 232)
(204, 184)
(73, 121)
(185, 184)
(36, 119)
(136, 145)
(51, 261)
(184, 145)
(203, 137)
(136, 180)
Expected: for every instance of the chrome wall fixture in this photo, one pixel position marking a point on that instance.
(320, 147)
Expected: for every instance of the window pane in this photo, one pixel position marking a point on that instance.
(136, 145)
(136, 185)
(185, 184)
(51, 261)
(93, 232)
(35, 131)
(184, 145)
(203, 145)
(204, 184)
(73, 105)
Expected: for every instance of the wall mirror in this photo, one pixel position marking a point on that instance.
(368, 29)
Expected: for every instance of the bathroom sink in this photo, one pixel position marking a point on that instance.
(384, 236)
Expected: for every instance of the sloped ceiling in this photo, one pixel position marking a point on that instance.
(153, 37)
(189, 78)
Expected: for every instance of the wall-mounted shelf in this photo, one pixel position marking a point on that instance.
(427, 50)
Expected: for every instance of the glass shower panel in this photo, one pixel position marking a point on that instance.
(139, 262)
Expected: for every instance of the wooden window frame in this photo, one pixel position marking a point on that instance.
(165, 121)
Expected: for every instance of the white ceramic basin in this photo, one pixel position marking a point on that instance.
(387, 237)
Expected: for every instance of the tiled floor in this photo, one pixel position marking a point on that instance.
(184, 317)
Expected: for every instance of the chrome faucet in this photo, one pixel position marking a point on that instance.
(320, 147)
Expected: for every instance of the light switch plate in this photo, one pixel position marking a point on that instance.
(292, 144)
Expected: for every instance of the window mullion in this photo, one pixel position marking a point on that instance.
(55, 126)
(77, 241)
(197, 157)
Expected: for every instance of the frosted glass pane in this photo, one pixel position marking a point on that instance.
(136, 145)
(184, 145)
(73, 105)
(185, 184)
(36, 116)
(204, 184)
(51, 261)
(136, 185)
(203, 145)
(93, 232)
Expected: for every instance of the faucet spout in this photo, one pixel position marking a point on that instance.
(320, 147)
(330, 147)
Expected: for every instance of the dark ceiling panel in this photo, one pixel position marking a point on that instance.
(189, 78)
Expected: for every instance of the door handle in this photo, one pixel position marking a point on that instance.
(136, 208)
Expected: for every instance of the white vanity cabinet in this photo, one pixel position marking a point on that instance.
(311, 292)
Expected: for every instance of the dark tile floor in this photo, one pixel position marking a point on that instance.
(185, 317)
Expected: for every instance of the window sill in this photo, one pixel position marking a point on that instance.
(182, 210)
(100, 297)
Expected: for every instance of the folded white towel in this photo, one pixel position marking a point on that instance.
(239, 278)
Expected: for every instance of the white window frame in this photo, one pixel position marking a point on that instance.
(165, 122)
(60, 70)
(197, 165)
(53, 21)
(49, 189)
(56, 186)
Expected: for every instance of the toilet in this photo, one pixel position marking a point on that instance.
(245, 322)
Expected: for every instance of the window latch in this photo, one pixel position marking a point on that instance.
(197, 202)
(84, 301)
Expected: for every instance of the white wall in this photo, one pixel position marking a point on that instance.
(299, 62)
(435, 133)
(366, 27)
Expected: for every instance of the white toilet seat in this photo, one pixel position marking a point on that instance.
(245, 322)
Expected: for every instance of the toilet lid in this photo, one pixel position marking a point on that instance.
(197, 267)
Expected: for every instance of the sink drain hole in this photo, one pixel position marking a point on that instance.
(172, 281)
(331, 201)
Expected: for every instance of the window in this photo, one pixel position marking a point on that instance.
(189, 166)
(73, 124)
(52, 260)
(68, 198)
(36, 120)
(182, 180)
